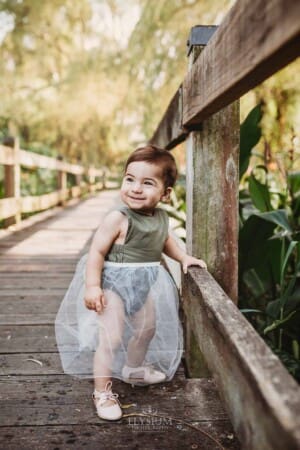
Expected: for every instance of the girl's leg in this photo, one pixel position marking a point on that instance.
(110, 337)
(143, 322)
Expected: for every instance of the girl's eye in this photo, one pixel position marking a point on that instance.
(129, 179)
(149, 183)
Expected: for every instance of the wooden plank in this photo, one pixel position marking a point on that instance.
(7, 155)
(56, 403)
(29, 309)
(262, 399)
(8, 207)
(27, 338)
(44, 282)
(34, 160)
(45, 201)
(169, 132)
(255, 39)
(128, 434)
(18, 364)
(191, 400)
(42, 266)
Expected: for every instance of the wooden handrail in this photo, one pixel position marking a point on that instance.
(256, 39)
(263, 400)
(34, 160)
(13, 205)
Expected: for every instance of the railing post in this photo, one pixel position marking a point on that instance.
(61, 183)
(12, 181)
(91, 179)
(212, 198)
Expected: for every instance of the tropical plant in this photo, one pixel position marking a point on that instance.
(269, 251)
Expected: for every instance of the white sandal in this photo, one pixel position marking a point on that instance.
(112, 412)
(142, 375)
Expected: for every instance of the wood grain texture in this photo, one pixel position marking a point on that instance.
(255, 39)
(212, 196)
(170, 132)
(263, 400)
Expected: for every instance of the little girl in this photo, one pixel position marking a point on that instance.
(119, 317)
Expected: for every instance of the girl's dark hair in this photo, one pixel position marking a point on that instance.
(155, 155)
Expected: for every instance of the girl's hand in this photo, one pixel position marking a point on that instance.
(94, 299)
(191, 261)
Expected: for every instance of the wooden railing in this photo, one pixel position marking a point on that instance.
(13, 205)
(256, 39)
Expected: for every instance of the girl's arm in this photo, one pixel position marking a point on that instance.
(103, 239)
(172, 250)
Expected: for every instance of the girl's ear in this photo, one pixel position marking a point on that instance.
(166, 196)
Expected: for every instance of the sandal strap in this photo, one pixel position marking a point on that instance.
(107, 394)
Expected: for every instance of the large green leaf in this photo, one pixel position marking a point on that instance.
(259, 194)
(250, 134)
(278, 217)
(293, 179)
(255, 284)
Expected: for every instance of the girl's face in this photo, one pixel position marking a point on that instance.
(143, 186)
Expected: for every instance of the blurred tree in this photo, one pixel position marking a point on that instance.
(90, 79)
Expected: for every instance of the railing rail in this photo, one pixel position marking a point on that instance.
(13, 204)
(254, 41)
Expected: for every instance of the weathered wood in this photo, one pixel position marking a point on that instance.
(29, 309)
(66, 395)
(12, 187)
(34, 160)
(255, 39)
(13, 206)
(212, 206)
(27, 338)
(170, 132)
(7, 155)
(58, 401)
(236, 60)
(131, 433)
(263, 400)
(42, 266)
(212, 196)
(8, 207)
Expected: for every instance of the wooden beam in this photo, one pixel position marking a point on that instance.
(7, 155)
(259, 394)
(256, 39)
(34, 160)
(169, 132)
(8, 207)
(40, 202)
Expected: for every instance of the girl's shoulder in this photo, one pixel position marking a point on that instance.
(113, 217)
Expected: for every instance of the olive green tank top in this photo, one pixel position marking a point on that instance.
(145, 237)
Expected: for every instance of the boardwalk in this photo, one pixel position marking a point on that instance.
(41, 408)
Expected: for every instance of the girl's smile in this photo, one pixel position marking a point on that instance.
(143, 186)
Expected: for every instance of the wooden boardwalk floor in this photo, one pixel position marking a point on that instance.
(40, 406)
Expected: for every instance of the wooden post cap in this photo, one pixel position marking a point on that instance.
(200, 35)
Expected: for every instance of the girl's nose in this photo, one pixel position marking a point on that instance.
(137, 187)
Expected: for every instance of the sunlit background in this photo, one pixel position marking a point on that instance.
(90, 79)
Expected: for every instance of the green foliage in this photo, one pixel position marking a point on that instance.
(269, 260)
(92, 78)
(250, 134)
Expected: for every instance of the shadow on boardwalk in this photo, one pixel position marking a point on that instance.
(41, 408)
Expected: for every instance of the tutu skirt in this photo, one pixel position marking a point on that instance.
(140, 320)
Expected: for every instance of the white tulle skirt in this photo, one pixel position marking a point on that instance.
(140, 320)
